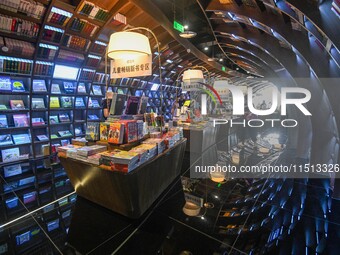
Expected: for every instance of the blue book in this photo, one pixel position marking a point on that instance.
(18, 86)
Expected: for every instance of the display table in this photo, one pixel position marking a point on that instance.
(129, 194)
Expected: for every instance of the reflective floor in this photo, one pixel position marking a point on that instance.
(264, 216)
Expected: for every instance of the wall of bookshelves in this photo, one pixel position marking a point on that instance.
(43, 105)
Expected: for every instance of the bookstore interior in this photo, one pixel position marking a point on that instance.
(172, 127)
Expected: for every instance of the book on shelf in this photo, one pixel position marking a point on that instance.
(18, 86)
(104, 131)
(13, 65)
(38, 103)
(74, 42)
(118, 104)
(43, 68)
(21, 138)
(64, 117)
(66, 102)
(68, 87)
(83, 26)
(39, 86)
(58, 16)
(54, 119)
(11, 154)
(97, 90)
(81, 88)
(17, 104)
(54, 136)
(20, 120)
(12, 170)
(94, 103)
(80, 102)
(3, 121)
(42, 137)
(132, 105)
(19, 47)
(29, 8)
(54, 102)
(16, 25)
(116, 133)
(65, 133)
(93, 117)
(38, 122)
(64, 142)
(87, 75)
(92, 131)
(78, 131)
(5, 140)
(143, 104)
(55, 89)
(3, 107)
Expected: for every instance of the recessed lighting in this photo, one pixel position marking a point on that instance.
(186, 26)
(221, 59)
(237, 68)
(206, 48)
(202, 217)
(188, 34)
(210, 59)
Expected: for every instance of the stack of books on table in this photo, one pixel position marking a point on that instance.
(79, 141)
(161, 146)
(125, 161)
(150, 147)
(66, 151)
(172, 138)
(84, 152)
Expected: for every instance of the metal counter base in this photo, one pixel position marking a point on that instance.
(129, 194)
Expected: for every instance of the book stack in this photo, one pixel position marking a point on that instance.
(119, 19)
(70, 56)
(74, 42)
(43, 68)
(160, 144)
(20, 47)
(90, 150)
(15, 65)
(93, 11)
(336, 7)
(59, 16)
(125, 161)
(66, 151)
(79, 141)
(172, 138)
(19, 26)
(52, 34)
(47, 51)
(99, 47)
(29, 8)
(87, 74)
(83, 26)
(143, 153)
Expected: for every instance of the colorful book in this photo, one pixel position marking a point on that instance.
(92, 131)
(118, 104)
(18, 86)
(21, 138)
(66, 102)
(80, 102)
(95, 103)
(5, 84)
(78, 131)
(93, 117)
(64, 117)
(10, 154)
(64, 133)
(130, 131)
(5, 140)
(132, 105)
(54, 119)
(116, 133)
(17, 104)
(3, 121)
(104, 131)
(38, 121)
(38, 103)
(39, 86)
(55, 89)
(42, 137)
(54, 102)
(97, 90)
(54, 136)
(68, 87)
(81, 88)
(12, 170)
(20, 120)
(3, 107)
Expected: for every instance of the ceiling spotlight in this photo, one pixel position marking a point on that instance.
(188, 34)
(211, 59)
(221, 59)
(206, 48)
(237, 68)
(186, 26)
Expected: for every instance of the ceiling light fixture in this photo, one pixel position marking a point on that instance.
(186, 26)
(206, 48)
(221, 59)
(188, 34)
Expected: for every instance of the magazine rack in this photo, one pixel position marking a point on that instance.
(129, 194)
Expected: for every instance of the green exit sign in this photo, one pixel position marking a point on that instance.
(223, 68)
(178, 26)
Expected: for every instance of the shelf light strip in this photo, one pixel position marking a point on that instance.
(100, 43)
(48, 46)
(44, 63)
(16, 59)
(61, 12)
(54, 29)
(94, 56)
(36, 210)
(88, 70)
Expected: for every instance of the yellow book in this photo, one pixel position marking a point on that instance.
(54, 102)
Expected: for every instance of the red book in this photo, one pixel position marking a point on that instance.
(116, 133)
(130, 131)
